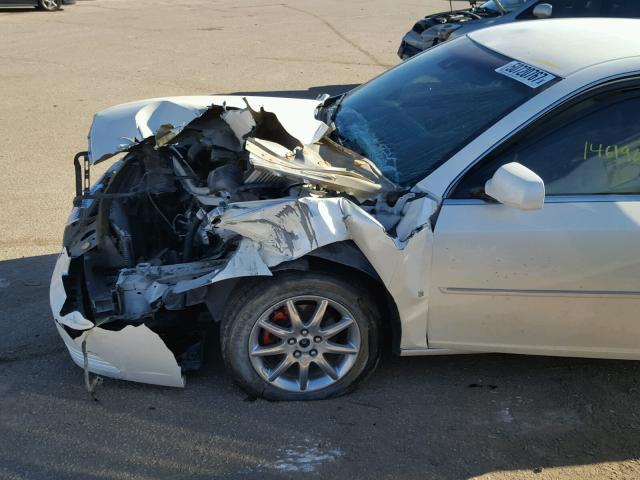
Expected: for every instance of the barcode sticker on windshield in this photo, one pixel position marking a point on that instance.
(525, 73)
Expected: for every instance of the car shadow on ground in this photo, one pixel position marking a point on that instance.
(311, 93)
(4, 9)
(417, 417)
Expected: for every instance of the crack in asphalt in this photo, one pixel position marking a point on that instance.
(369, 55)
(308, 60)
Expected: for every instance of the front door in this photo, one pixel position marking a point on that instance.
(564, 280)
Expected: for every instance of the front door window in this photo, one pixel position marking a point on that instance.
(592, 148)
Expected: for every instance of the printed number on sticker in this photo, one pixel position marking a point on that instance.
(525, 73)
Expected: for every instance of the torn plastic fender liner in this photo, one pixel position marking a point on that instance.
(290, 228)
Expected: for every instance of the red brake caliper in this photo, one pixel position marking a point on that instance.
(279, 318)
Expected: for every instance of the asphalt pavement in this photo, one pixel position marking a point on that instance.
(471, 416)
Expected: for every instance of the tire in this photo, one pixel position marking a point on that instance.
(264, 302)
(49, 5)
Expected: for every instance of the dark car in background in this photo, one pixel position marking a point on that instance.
(47, 5)
(439, 27)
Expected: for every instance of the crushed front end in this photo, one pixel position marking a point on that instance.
(209, 190)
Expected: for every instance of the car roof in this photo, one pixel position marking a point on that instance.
(563, 46)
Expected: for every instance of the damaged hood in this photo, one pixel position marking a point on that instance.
(119, 128)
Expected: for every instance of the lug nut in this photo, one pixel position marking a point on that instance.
(317, 339)
(304, 331)
(313, 352)
(297, 354)
(291, 341)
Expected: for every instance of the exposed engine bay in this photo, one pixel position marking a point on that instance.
(434, 29)
(227, 194)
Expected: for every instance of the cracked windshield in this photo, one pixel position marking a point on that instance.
(411, 119)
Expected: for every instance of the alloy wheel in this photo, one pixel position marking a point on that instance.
(304, 343)
(50, 4)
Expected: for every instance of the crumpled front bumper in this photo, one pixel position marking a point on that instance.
(133, 353)
(97, 365)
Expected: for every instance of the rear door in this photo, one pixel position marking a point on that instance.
(564, 280)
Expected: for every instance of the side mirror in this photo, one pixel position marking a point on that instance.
(515, 185)
(543, 10)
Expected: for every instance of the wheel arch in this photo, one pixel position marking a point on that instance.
(341, 258)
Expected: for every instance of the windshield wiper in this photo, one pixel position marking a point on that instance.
(345, 142)
(501, 7)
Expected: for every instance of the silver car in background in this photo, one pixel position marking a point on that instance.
(439, 27)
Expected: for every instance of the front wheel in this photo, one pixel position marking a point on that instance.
(49, 5)
(301, 336)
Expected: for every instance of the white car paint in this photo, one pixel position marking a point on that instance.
(136, 354)
(516, 186)
(403, 265)
(116, 354)
(117, 128)
(525, 274)
(563, 47)
(563, 280)
(488, 277)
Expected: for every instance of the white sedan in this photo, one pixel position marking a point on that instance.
(483, 196)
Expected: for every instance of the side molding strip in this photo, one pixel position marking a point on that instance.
(539, 293)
